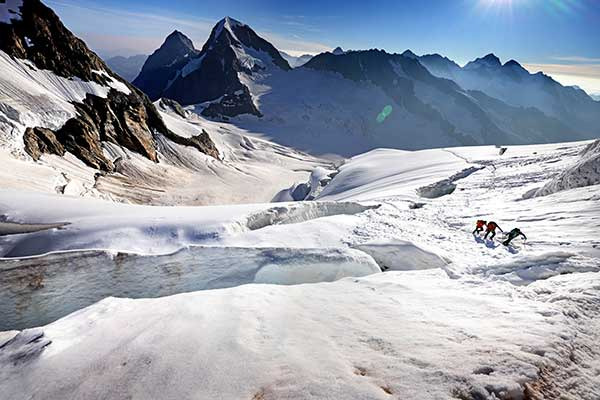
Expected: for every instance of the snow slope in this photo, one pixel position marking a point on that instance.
(250, 169)
(32, 97)
(459, 317)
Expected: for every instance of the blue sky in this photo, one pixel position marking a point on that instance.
(557, 36)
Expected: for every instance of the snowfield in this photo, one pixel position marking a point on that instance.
(286, 300)
(250, 169)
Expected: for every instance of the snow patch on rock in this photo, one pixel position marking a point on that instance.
(32, 97)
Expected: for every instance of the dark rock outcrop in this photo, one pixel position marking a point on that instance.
(127, 119)
(41, 140)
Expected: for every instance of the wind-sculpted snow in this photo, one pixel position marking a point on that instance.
(37, 291)
(400, 255)
(528, 269)
(399, 333)
(446, 186)
(295, 213)
(585, 172)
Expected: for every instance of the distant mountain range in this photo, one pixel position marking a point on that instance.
(127, 67)
(338, 102)
(348, 102)
(296, 62)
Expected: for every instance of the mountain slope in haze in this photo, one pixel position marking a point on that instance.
(127, 67)
(59, 97)
(514, 85)
(294, 61)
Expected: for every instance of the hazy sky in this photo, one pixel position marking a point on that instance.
(560, 37)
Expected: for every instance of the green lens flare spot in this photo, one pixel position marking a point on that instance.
(387, 110)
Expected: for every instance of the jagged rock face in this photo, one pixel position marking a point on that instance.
(168, 104)
(163, 65)
(212, 74)
(54, 47)
(127, 119)
(41, 140)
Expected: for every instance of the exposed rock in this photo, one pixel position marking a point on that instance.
(42, 140)
(202, 142)
(127, 119)
(54, 47)
(168, 104)
(233, 104)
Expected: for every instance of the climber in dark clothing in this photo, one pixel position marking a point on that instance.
(491, 228)
(513, 234)
(479, 226)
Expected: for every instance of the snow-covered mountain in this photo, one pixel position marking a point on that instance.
(127, 67)
(294, 61)
(211, 75)
(514, 85)
(347, 102)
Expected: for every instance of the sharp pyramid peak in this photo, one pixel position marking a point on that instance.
(176, 37)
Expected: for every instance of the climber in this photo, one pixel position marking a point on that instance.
(479, 226)
(513, 234)
(491, 228)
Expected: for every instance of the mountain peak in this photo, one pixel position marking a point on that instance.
(178, 40)
(512, 63)
(490, 60)
(338, 51)
(410, 54)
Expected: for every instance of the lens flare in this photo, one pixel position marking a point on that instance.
(387, 110)
(554, 7)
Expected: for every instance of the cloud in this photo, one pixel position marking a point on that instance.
(577, 59)
(584, 70)
(111, 31)
(586, 76)
(294, 45)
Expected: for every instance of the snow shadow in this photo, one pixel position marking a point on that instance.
(446, 186)
(400, 255)
(528, 269)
